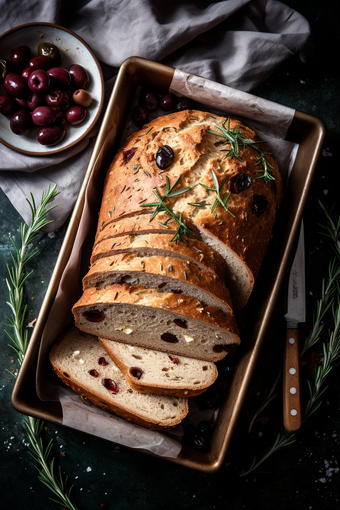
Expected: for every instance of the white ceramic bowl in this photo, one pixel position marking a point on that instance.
(74, 51)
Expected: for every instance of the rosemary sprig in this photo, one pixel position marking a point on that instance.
(17, 275)
(19, 338)
(332, 228)
(330, 347)
(218, 188)
(236, 143)
(268, 397)
(282, 439)
(323, 304)
(46, 472)
(331, 353)
(182, 228)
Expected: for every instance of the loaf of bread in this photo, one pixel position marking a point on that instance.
(157, 320)
(149, 371)
(82, 363)
(232, 191)
(188, 209)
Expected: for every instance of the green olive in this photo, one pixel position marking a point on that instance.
(3, 69)
(49, 50)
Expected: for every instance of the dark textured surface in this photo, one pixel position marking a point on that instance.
(303, 475)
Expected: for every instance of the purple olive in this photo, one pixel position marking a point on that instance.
(164, 157)
(34, 100)
(43, 115)
(50, 135)
(168, 102)
(149, 99)
(75, 115)
(54, 97)
(26, 73)
(7, 105)
(60, 77)
(185, 103)
(21, 55)
(66, 100)
(139, 116)
(39, 81)
(79, 76)
(260, 204)
(60, 117)
(21, 122)
(21, 102)
(239, 183)
(40, 62)
(15, 85)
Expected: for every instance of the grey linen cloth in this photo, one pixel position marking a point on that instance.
(238, 43)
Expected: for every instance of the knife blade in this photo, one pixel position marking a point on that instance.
(296, 313)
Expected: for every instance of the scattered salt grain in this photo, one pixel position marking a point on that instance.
(326, 153)
(302, 82)
(88, 469)
(325, 191)
(51, 235)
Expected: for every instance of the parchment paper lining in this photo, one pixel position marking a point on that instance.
(271, 121)
(97, 422)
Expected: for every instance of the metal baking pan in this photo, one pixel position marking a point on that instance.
(308, 132)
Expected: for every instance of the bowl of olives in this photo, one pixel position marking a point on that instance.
(51, 89)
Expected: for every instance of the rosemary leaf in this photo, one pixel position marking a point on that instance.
(218, 188)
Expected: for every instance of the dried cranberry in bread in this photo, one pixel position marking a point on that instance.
(82, 363)
(150, 371)
(222, 183)
(142, 245)
(166, 274)
(155, 320)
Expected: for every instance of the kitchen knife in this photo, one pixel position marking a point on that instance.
(296, 313)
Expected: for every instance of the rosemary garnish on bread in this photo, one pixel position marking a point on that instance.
(236, 143)
(219, 200)
(161, 207)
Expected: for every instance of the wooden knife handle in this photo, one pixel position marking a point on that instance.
(292, 418)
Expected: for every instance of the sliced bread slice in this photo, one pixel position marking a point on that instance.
(166, 274)
(152, 244)
(155, 320)
(150, 371)
(80, 361)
